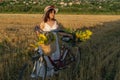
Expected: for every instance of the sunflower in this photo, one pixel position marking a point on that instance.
(83, 35)
(42, 39)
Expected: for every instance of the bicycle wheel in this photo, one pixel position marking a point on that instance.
(71, 63)
(34, 70)
(75, 65)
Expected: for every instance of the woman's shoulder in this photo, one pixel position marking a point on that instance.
(42, 24)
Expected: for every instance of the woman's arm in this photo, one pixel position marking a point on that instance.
(39, 29)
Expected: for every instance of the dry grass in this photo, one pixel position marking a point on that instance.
(100, 58)
(66, 20)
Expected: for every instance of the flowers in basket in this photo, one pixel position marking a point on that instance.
(47, 42)
(46, 38)
(83, 35)
(42, 39)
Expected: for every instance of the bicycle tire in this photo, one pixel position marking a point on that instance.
(77, 57)
(71, 66)
(75, 65)
(25, 73)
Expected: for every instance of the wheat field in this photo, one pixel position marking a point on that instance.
(100, 57)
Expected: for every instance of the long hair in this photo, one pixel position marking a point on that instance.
(46, 16)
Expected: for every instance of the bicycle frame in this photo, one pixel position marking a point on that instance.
(59, 63)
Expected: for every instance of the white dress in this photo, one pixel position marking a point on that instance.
(56, 54)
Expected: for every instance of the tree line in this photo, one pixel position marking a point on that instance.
(65, 6)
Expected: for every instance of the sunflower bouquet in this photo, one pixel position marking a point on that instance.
(46, 42)
(46, 38)
(83, 35)
(42, 39)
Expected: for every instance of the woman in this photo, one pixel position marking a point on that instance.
(49, 23)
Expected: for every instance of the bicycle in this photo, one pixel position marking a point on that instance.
(66, 58)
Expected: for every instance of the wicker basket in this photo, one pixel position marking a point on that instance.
(49, 49)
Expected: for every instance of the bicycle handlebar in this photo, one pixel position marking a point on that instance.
(70, 37)
(37, 28)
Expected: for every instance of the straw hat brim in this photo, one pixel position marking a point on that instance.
(48, 8)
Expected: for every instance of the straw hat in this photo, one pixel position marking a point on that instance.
(47, 8)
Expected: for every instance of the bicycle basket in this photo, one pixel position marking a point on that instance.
(49, 48)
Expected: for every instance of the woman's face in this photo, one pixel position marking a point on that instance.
(52, 14)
